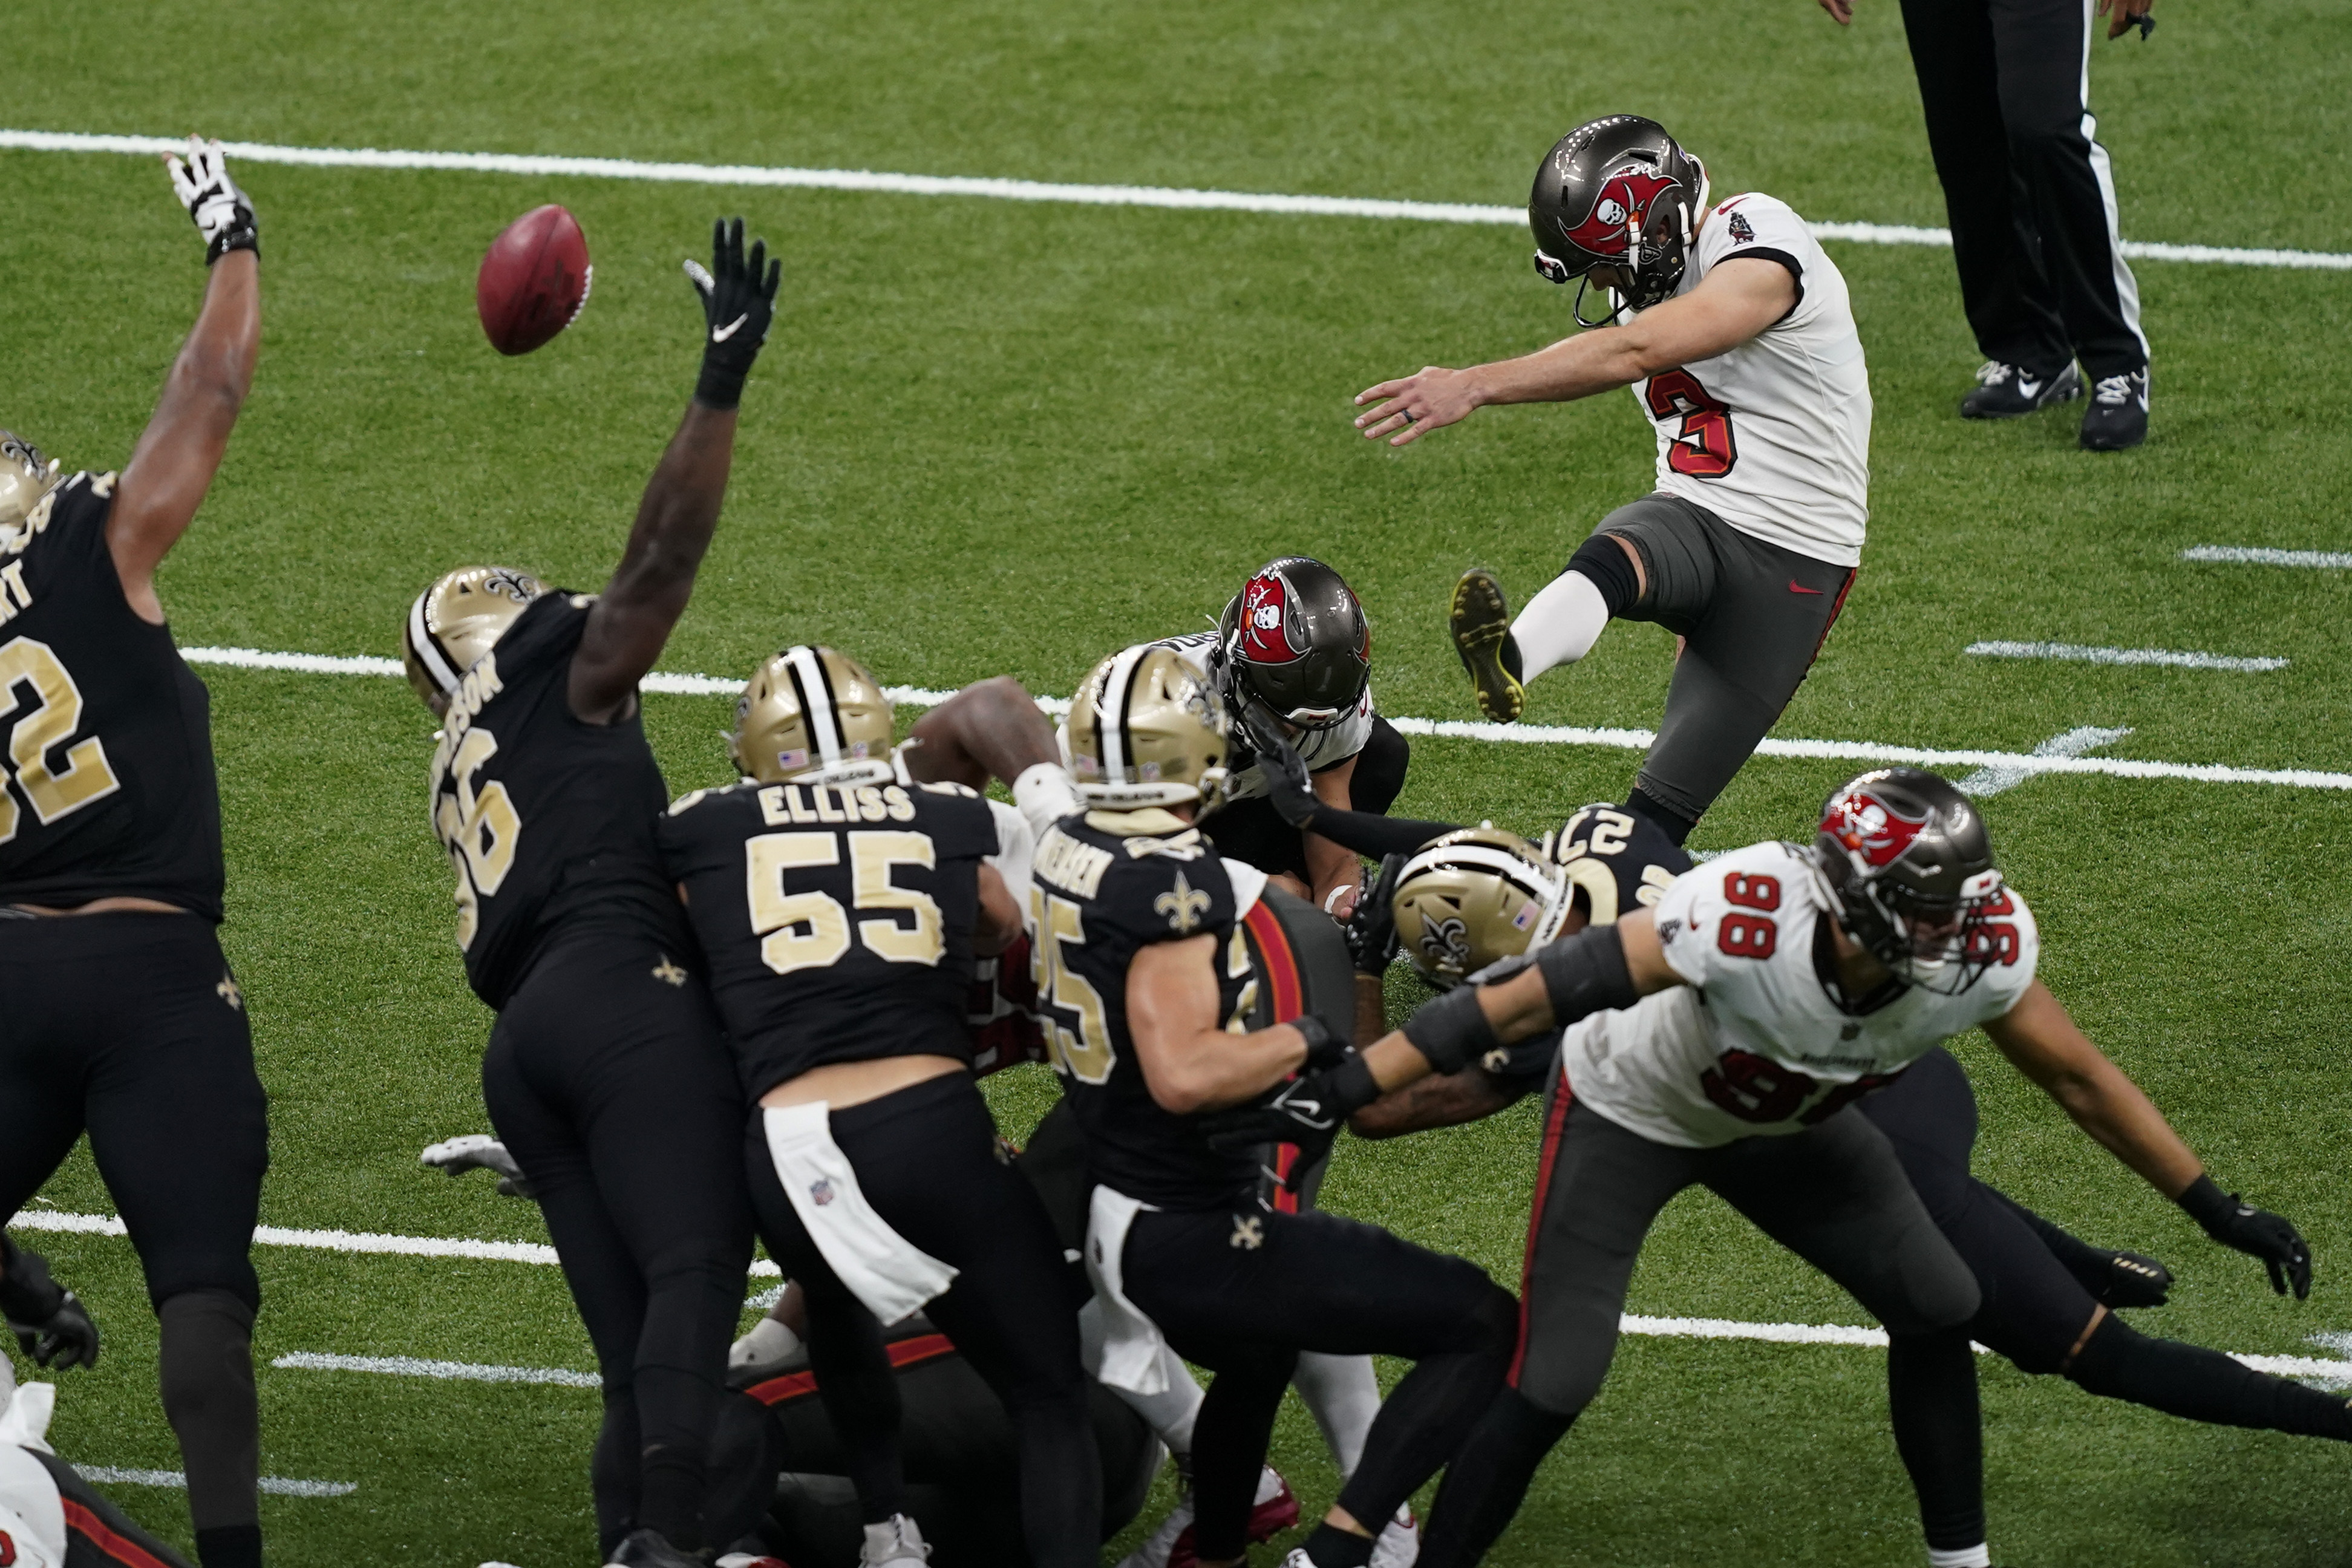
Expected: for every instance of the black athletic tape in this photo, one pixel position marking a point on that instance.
(1452, 1031)
(1587, 973)
(1602, 561)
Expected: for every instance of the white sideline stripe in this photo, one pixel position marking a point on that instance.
(360, 1241)
(450, 1371)
(1024, 191)
(276, 1486)
(1471, 729)
(2079, 654)
(2254, 555)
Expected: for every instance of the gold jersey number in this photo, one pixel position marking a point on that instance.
(50, 723)
(480, 827)
(1054, 925)
(810, 929)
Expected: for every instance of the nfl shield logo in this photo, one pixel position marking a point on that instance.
(821, 1192)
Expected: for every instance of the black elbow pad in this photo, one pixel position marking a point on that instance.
(1452, 1031)
(1587, 973)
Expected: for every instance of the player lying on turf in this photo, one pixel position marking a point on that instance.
(606, 1074)
(840, 912)
(122, 1014)
(1741, 351)
(1151, 989)
(2047, 1294)
(50, 1516)
(1294, 647)
(1826, 970)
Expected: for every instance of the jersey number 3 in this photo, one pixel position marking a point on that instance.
(1703, 447)
(54, 715)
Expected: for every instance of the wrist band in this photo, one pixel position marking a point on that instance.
(1587, 973)
(719, 386)
(2207, 1204)
(1452, 1031)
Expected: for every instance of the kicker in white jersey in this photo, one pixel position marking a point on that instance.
(1759, 1041)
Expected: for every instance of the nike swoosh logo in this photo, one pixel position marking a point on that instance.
(2029, 388)
(1797, 587)
(720, 334)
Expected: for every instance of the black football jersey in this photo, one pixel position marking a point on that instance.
(548, 819)
(1097, 899)
(835, 919)
(106, 787)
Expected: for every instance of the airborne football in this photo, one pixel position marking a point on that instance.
(1206, 787)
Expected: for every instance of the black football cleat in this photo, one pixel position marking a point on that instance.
(2134, 1279)
(1481, 622)
(650, 1549)
(2006, 391)
(2117, 417)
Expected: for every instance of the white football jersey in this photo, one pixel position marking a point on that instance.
(1754, 1042)
(1772, 436)
(1319, 748)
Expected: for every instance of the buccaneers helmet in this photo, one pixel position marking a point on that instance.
(813, 715)
(1295, 638)
(1472, 898)
(456, 621)
(1909, 863)
(25, 477)
(1618, 194)
(1143, 731)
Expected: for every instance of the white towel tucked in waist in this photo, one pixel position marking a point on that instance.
(1132, 1344)
(891, 1275)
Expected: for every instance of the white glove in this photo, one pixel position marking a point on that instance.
(222, 212)
(479, 1151)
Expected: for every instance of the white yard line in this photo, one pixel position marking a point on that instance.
(1024, 191)
(358, 1241)
(449, 1371)
(2079, 654)
(1453, 729)
(276, 1486)
(2254, 555)
(2073, 744)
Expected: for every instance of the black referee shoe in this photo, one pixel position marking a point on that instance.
(2117, 417)
(2006, 391)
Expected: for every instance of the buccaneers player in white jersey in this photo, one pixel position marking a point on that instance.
(1733, 329)
(1718, 1038)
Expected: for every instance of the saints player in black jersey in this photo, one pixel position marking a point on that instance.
(1137, 926)
(121, 1016)
(606, 1075)
(840, 912)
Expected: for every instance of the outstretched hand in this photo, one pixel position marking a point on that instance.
(2237, 1224)
(739, 306)
(222, 212)
(1842, 11)
(2122, 17)
(1413, 407)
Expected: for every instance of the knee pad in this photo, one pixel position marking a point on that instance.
(1602, 561)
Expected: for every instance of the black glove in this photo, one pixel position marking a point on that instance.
(49, 1322)
(222, 213)
(738, 304)
(1371, 930)
(2257, 1233)
(1288, 785)
(1305, 1110)
(2134, 1279)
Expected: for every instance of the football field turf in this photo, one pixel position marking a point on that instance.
(996, 436)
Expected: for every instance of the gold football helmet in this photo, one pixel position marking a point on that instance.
(456, 621)
(25, 477)
(1475, 897)
(1144, 730)
(811, 714)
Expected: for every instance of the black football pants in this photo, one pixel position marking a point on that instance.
(1242, 1292)
(613, 1091)
(1251, 830)
(2029, 192)
(131, 1026)
(2036, 1311)
(1752, 615)
(929, 1161)
(1833, 1194)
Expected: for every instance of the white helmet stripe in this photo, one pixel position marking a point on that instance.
(817, 699)
(1110, 712)
(1484, 857)
(428, 647)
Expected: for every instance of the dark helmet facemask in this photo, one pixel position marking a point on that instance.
(1617, 192)
(1909, 869)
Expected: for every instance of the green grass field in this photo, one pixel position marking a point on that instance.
(993, 437)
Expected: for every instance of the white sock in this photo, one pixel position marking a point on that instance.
(768, 1342)
(1559, 624)
(1343, 1396)
(1169, 1415)
(1975, 1556)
